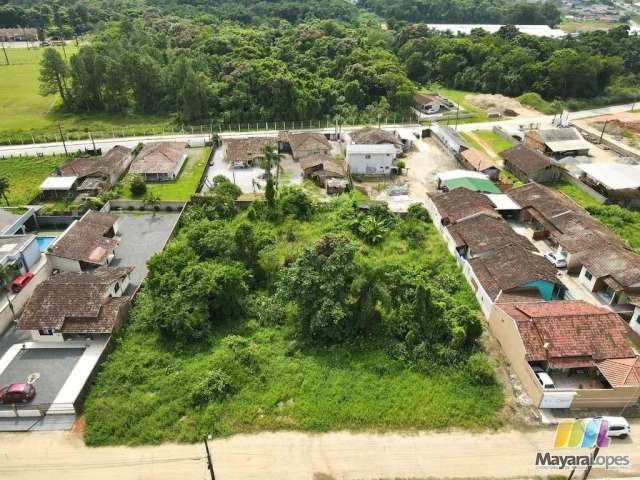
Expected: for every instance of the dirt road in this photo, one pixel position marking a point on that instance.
(294, 456)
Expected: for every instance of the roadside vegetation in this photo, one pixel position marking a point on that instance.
(622, 221)
(25, 174)
(295, 315)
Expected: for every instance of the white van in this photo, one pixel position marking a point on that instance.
(543, 377)
(618, 426)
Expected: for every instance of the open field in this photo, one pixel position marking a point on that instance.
(487, 138)
(625, 223)
(184, 187)
(25, 112)
(25, 175)
(274, 377)
(457, 96)
(585, 26)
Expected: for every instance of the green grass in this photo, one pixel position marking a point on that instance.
(25, 112)
(495, 141)
(586, 26)
(625, 223)
(457, 96)
(25, 175)
(535, 101)
(142, 393)
(185, 186)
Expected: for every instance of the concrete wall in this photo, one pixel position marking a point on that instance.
(64, 264)
(139, 204)
(634, 323)
(377, 164)
(590, 284)
(31, 254)
(584, 187)
(54, 337)
(605, 397)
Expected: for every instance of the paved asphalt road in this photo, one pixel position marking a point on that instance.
(300, 456)
(198, 139)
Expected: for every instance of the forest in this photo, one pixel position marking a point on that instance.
(289, 60)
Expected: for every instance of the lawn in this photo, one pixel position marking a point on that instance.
(25, 112)
(25, 175)
(282, 381)
(457, 96)
(495, 141)
(586, 26)
(625, 223)
(184, 187)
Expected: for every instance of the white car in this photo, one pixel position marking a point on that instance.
(557, 260)
(618, 426)
(543, 377)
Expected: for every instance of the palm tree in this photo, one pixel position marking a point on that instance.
(7, 274)
(270, 158)
(4, 188)
(152, 201)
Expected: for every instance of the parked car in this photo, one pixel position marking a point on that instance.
(618, 426)
(543, 377)
(557, 260)
(17, 393)
(21, 281)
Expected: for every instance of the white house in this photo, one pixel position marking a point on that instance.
(371, 159)
(19, 250)
(160, 161)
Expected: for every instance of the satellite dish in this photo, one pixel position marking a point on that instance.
(33, 378)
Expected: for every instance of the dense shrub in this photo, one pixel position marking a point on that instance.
(137, 186)
(293, 201)
(480, 370)
(213, 387)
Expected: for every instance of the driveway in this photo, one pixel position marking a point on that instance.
(423, 163)
(301, 456)
(141, 236)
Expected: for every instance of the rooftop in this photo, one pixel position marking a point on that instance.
(85, 239)
(478, 160)
(460, 203)
(485, 234)
(10, 245)
(614, 176)
(113, 162)
(58, 183)
(244, 150)
(373, 136)
(570, 334)
(76, 302)
(158, 157)
(527, 159)
(371, 148)
(475, 184)
(307, 141)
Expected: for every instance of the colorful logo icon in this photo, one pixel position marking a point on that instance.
(583, 433)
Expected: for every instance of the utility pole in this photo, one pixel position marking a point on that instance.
(457, 116)
(602, 133)
(593, 459)
(209, 462)
(64, 144)
(4, 49)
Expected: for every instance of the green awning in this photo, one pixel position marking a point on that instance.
(473, 184)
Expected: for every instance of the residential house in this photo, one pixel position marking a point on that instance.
(372, 159)
(19, 34)
(58, 187)
(303, 145)
(374, 136)
(557, 142)
(78, 305)
(430, 104)
(160, 161)
(529, 164)
(242, 152)
(20, 251)
(320, 168)
(92, 175)
(455, 205)
(449, 139)
(477, 161)
(407, 137)
(336, 185)
(476, 181)
(586, 350)
(86, 244)
(17, 220)
(619, 182)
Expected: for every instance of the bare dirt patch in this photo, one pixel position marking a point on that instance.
(504, 105)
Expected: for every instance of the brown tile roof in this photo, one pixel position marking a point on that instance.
(373, 136)
(425, 99)
(244, 150)
(621, 372)
(511, 267)
(485, 233)
(461, 203)
(478, 160)
(75, 302)
(576, 332)
(307, 141)
(158, 157)
(526, 159)
(114, 162)
(621, 266)
(85, 239)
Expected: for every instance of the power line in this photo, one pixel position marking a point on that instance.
(102, 465)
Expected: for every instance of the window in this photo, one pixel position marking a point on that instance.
(46, 331)
(587, 275)
(367, 156)
(116, 287)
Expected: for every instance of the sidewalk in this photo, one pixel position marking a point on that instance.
(296, 456)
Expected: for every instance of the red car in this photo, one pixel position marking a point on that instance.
(20, 281)
(17, 393)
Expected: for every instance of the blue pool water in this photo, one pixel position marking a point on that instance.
(44, 242)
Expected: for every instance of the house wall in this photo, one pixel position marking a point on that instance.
(605, 397)
(64, 264)
(506, 332)
(589, 283)
(377, 164)
(549, 174)
(54, 337)
(545, 288)
(179, 164)
(532, 142)
(634, 323)
(31, 254)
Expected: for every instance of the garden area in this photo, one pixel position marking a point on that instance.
(622, 221)
(25, 174)
(299, 316)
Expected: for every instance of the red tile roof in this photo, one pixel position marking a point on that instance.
(575, 332)
(478, 160)
(621, 371)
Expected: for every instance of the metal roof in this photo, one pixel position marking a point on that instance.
(614, 176)
(58, 183)
(502, 201)
(474, 184)
(378, 148)
(452, 174)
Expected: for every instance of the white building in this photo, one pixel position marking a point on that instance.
(371, 159)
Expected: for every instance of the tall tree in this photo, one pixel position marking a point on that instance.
(53, 74)
(4, 188)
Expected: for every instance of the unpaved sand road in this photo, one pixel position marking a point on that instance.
(293, 456)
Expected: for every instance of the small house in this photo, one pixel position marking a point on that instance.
(475, 181)
(477, 161)
(376, 160)
(160, 161)
(529, 164)
(21, 251)
(449, 139)
(557, 142)
(242, 152)
(374, 136)
(430, 104)
(303, 145)
(321, 168)
(619, 182)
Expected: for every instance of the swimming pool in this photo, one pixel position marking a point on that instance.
(44, 242)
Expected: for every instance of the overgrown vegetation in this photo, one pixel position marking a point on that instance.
(25, 174)
(296, 316)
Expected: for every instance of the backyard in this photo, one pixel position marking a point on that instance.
(25, 112)
(257, 371)
(25, 174)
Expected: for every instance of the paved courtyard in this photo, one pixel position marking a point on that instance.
(53, 365)
(142, 235)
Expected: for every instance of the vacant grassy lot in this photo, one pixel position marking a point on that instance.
(281, 381)
(457, 96)
(625, 223)
(495, 141)
(25, 112)
(185, 186)
(25, 175)
(586, 26)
